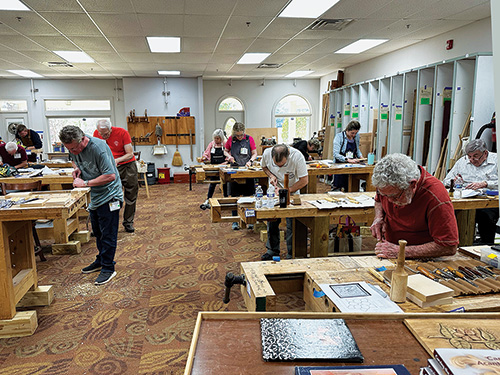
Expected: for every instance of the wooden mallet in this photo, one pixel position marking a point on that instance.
(399, 279)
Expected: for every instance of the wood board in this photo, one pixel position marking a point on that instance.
(258, 133)
(455, 333)
(427, 290)
(171, 126)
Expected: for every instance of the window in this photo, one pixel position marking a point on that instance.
(292, 118)
(13, 106)
(77, 105)
(228, 127)
(230, 104)
(88, 125)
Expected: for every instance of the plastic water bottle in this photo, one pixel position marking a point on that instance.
(259, 193)
(270, 196)
(459, 183)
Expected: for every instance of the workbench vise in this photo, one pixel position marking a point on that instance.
(232, 279)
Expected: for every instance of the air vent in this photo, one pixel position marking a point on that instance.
(269, 66)
(328, 24)
(58, 64)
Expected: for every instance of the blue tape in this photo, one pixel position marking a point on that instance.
(276, 258)
(380, 269)
(458, 309)
(317, 293)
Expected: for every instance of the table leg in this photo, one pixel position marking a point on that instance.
(299, 248)
(319, 234)
(312, 185)
(466, 221)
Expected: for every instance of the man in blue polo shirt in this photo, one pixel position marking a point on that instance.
(95, 167)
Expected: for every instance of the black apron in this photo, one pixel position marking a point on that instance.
(217, 157)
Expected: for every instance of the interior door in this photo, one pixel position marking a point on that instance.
(6, 119)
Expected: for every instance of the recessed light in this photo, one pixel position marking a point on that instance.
(253, 58)
(169, 72)
(12, 5)
(299, 73)
(25, 73)
(160, 44)
(307, 8)
(75, 56)
(361, 45)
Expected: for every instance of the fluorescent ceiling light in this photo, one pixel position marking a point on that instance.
(75, 56)
(253, 58)
(25, 73)
(160, 44)
(299, 73)
(12, 5)
(169, 72)
(361, 45)
(307, 8)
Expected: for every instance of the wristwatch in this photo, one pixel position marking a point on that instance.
(86, 182)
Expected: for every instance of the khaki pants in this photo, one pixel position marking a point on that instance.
(128, 175)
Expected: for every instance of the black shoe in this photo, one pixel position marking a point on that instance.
(104, 277)
(129, 228)
(266, 256)
(94, 267)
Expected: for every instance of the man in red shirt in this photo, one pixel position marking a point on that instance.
(14, 155)
(411, 205)
(120, 143)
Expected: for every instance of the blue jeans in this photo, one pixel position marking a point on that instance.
(273, 237)
(105, 227)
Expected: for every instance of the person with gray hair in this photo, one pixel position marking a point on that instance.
(276, 162)
(13, 155)
(478, 170)
(120, 143)
(411, 205)
(215, 154)
(94, 167)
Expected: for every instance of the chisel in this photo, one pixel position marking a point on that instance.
(461, 276)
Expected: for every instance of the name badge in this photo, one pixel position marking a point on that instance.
(113, 206)
(349, 155)
(213, 150)
(17, 156)
(244, 151)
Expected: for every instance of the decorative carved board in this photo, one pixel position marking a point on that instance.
(455, 333)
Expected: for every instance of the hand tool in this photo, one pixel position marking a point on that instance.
(378, 276)
(482, 272)
(484, 269)
(490, 281)
(481, 280)
(461, 275)
(399, 279)
(451, 280)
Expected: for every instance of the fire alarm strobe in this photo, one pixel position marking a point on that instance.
(449, 44)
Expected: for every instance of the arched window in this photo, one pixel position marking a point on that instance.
(231, 104)
(228, 127)
(292, 118)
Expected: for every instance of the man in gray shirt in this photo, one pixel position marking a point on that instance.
(95, 168)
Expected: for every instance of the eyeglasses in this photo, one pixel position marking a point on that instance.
(475, 156)
(239, 135)
(392, 196)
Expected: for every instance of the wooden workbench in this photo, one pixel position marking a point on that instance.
(267, 279)
(54, 182)
(230, 342)
(18, 276)
(53, 164)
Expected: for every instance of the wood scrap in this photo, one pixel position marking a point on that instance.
(465, 133)
(413, 119)
(441, 165)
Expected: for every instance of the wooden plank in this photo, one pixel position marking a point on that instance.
(82, 236)
(69, 248)
(427, 290)
(22, 282)
(41, 296)
(22, 324)
(258, 133)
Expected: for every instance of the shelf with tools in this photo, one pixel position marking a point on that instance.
(174, 130)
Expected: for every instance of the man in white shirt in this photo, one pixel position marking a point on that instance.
(478, 169)
(276, 162)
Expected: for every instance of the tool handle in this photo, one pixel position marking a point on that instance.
(455, 272)
(376, 274)
(401, 255)
(425, 272)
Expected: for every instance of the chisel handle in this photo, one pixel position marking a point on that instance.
(425, 272)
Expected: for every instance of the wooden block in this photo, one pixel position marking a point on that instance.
(41, 296)
(69, 248)
(24, 323)
(427, 290)
(83, 236)
(258, 227)
(423, 304)
(263, 235)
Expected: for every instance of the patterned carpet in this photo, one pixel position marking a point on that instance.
(142, 321)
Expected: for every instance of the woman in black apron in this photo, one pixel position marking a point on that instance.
(346, 150)
(215, 154)
(243, 150)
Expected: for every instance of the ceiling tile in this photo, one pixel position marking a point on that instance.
(198, 45)
(135, 57)
(130, 44)
(114, 25)
(285, 27)
(20, 43)
(298, 46)
(110, 6)
(53, 5)
(72, 24)
(477, 13)
(91, 43)
(166, 58)
(443, 9)
(259, 8)
(105, 57)
(29, 24)
(159, 6)
(203, 26)
(236, 46)
(43, 56)
(212, 7)
(354, 8)
(161, 24)
(401, 9)
(54, 43)
(224, 59)
(237, 27)
(438, 28)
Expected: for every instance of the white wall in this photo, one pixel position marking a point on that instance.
(146, 93)
(60, 89)
(259, 101)
(495, 19)
(475, 37)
